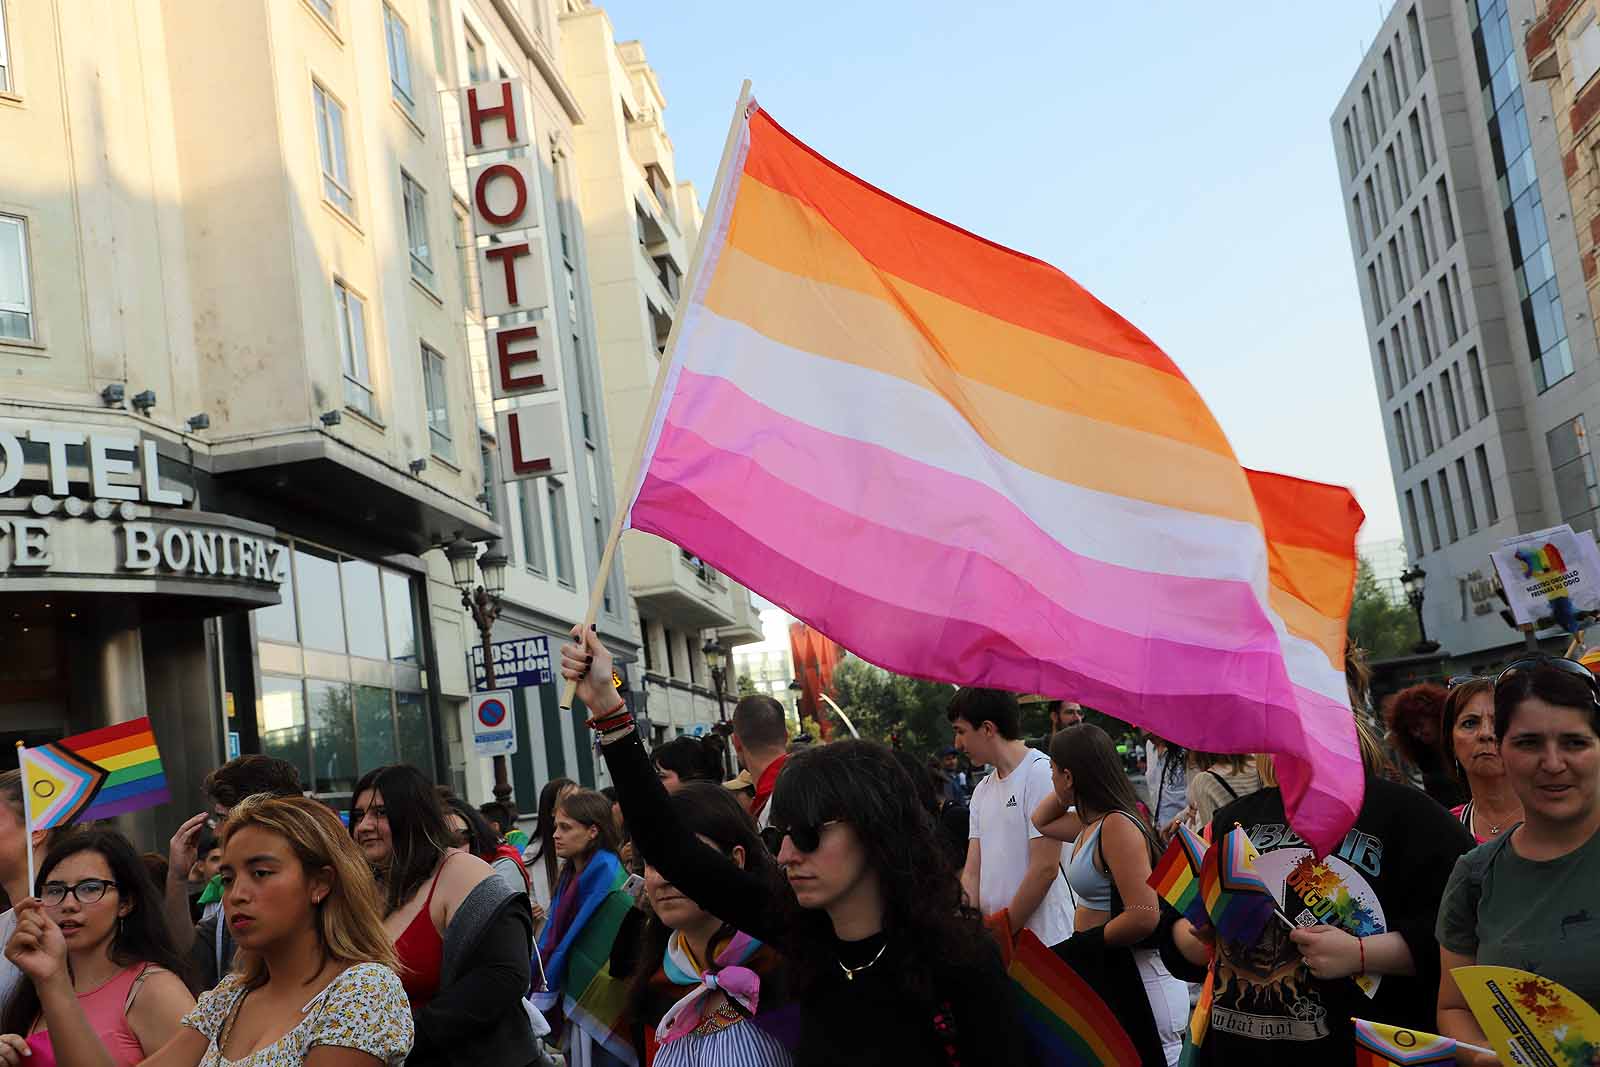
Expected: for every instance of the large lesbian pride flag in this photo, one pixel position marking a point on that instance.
(951, 459)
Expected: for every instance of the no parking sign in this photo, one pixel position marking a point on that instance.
(493, 732)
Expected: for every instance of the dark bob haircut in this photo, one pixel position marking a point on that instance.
(1561, 686)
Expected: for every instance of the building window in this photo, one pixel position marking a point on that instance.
(351, 313)
(1460, 400)
(1441, 189)
(1376, 290)
(1430, 515)
(1427, 428)
(395, 37)
(647, 645)
(16, 290)
(1451, 418)
(1419, 59)
(1397, 175)
(560, 530)
(1400, 438)
(1358, 224)
(437, 398)
(1421, 237)
(1418, 148)
(490, 488)
(1466, 496)
(1433, 320)
(1391, 81)
(467, 253)
(477, 61)
(533, 551)
(5, 52)
(1397, 346)
(415, 198)
(1383, 365)
(331, 145)
(1427, 127)
(1449, 508)
(1424, 342)
(1572, 467)
(1372, 116)
(672, 657)
(1487, 484)
(323, 8)
(1479, 393)
(1396, 271)
(1583, 45)
(1351, 156)
(1411, 513)
(1452, 329)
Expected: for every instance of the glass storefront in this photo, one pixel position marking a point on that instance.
(343, 682)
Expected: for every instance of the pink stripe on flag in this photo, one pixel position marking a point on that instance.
(892, 491)
(907, 640)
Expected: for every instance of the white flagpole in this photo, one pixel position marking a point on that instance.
(27, 825)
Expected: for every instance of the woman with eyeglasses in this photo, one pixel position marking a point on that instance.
(1527, 898)
(312, 981)
(1492, 806)
(125, 969)
(889, 963)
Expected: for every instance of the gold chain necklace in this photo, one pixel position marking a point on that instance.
(851, 972)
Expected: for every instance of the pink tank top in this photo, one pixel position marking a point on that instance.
(108, 1018)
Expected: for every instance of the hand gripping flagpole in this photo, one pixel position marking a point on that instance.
(718, 191)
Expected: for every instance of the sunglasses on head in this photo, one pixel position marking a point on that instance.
(805, 838)
(1566, 666)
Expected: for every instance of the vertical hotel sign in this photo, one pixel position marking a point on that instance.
(513, 281)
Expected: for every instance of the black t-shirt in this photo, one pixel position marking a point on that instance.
(1387, 875)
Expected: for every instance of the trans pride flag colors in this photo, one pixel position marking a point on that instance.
(1236, 897)
(95, 775)
(957, 463)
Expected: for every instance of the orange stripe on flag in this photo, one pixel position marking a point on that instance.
(936, 255)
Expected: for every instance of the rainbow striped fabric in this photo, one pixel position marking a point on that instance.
(1382, 1045)
(956, 462)
(1177, 877)
(96, 775)
(1236, 898)
(1066, 1021)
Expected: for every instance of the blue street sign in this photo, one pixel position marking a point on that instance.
(518, 664)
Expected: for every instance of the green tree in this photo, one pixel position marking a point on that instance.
(1377, 623)
(747, 686)
(883, 704)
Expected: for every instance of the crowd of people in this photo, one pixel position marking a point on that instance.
(832, 904)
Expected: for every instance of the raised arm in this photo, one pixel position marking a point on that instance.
(697, 870)
(181, 853)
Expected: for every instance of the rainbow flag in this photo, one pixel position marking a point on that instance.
(954, 461)
(1382, 1045)
(134, 778)
(1177, 877)
(1236, 898)
(1067, 1023)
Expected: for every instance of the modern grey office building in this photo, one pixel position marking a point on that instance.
(1476, 310)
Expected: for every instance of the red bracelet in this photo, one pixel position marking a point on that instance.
(1361, 943)
(609, 720)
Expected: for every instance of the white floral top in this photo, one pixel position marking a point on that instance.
(363, 1008)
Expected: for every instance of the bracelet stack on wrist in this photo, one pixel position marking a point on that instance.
(616, 719)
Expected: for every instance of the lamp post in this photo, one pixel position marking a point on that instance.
(1412, 581)
(483, 601)
(715, 659)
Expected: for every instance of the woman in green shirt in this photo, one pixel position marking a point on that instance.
(1528, 899)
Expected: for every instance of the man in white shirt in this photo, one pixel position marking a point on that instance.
(14, 876)
(1010, 865)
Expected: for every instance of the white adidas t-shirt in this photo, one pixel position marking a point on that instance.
(1002, 824)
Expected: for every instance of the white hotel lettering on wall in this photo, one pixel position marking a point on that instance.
(103, 528)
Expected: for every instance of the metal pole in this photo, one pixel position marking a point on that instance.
(484, 612)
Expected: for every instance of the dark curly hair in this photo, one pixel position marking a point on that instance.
(925, 911)
(692, 759)
(1415, 704)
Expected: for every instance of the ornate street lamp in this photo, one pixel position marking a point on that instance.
(715, 659)
(483, 601)
(1412, 581)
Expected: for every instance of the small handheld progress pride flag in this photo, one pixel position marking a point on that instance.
(1238, 901)
(1177, 877)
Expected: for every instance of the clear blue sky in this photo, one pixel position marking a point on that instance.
(1173, 158)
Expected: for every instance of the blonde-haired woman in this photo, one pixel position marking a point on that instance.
(313, 968)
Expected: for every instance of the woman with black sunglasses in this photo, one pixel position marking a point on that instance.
(1526, 898)
(889, 964)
